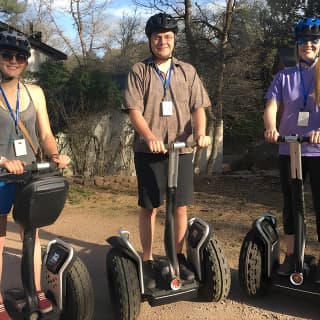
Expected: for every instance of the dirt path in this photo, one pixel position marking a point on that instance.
(230, 203)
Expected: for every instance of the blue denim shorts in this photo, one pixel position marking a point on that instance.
(7, 196)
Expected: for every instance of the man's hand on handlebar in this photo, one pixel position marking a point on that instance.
(203, 141)
(156, 146)
(271, 135)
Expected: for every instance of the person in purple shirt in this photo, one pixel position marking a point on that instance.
(293, 107)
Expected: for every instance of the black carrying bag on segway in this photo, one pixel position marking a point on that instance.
(40, 198)
(40, 201)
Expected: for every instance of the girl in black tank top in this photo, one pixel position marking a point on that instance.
(26, 103)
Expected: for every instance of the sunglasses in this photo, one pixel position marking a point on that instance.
(8, 56)
(302, 41)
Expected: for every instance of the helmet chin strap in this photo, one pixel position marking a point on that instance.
(310, 63)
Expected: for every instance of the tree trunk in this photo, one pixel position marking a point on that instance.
(216, 149)
(193, 52)
(217, 122)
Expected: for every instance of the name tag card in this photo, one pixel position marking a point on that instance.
(167, 108)
(20, 148)
(303, 119)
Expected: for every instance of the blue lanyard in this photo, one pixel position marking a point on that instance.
(14, 118)
(165, 82)
(304, 91)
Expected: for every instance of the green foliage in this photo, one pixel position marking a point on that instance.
(103, 90)
(279, 22)
(12, 7)
(91, 91)
(312, 8)
(53, 76)
(78, 193)
(76, 92)
(243, 130)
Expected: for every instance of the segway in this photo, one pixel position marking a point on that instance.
(259, 255)
(204, 256)
(40, 197)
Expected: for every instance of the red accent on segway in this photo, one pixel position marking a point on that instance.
(296, 278)
(175, 284)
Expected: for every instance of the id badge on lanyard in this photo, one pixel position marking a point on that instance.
(303, 116)
(303, 119)
(20, 147)
(166, 105)
(167, 108)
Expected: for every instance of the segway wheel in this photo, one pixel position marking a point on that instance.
(217, 277)
(251, 276)
(124, 286)
(79, 303)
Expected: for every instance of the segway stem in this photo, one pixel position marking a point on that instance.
(171, 205)
(27, 271)
(169, 233)
(297, 204)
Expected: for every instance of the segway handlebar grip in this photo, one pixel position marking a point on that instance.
(179, 145)
(293, 138)
(29, 169)
(41, 166)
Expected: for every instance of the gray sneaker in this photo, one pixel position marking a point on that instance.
(287, 267)
(317, 275)
(149, 274)
(185, 272)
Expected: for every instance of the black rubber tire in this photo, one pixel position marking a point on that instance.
(217, 276)
(252, 277)
(123, 281)
(79, 304)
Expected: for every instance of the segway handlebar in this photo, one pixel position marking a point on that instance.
(179, 145)
(293, 138)
(29, 170)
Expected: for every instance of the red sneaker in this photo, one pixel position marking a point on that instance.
(4, 315)
(44, 304)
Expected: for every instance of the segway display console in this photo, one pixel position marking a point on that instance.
(204, 256)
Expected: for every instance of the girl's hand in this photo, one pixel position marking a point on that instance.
(315, 136)
(271, 135)
(13, 166)
(61, 160)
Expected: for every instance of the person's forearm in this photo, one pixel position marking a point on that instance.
(140, 125)
(199, 122)
(49, 145)
(270, 115)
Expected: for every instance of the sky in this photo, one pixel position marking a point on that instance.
(118, 7)
(115, 10)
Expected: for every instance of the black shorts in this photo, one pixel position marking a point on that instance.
(152, 173)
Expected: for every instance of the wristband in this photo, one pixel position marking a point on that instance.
(53, 155)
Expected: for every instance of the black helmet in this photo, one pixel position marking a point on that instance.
(307, 27)
(11, 39)
(161, 22)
